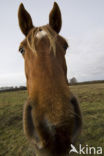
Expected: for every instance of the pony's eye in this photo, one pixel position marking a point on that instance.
(65, 46)
(21, 49)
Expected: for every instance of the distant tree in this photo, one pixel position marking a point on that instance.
(73, 80)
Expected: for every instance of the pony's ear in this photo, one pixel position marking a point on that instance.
(55, 20)
(25, 21)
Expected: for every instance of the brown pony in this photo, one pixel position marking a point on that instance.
(52, 118)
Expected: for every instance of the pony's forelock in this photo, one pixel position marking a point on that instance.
(52, 38)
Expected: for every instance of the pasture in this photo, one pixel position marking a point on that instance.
(12, 139)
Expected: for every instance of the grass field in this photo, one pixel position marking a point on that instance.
(12, 139)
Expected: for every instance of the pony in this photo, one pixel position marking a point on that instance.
(52, 118)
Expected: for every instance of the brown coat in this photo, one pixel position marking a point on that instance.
(52, 118)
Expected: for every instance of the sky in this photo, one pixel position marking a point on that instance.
(83, 27)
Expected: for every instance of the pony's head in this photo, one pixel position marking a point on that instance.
(42, 46)
(50, 112)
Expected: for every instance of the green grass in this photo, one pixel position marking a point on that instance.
(12, 139)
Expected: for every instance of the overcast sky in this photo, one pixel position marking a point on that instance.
(83, 27)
